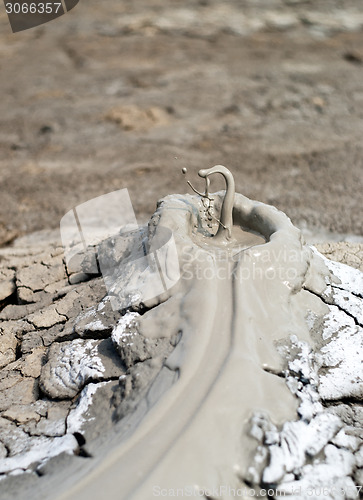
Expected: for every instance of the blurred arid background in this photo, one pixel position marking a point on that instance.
(125, 93)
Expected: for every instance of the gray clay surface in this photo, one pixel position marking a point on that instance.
(232, 369)
(56, 356)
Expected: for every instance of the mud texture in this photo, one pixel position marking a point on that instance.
(93, 390)
(56, 353)
(321, 451)
(125, 94)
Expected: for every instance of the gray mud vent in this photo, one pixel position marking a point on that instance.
(26, 14)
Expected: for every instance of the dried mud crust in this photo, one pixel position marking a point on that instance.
(320, 453)
(134, 91)
(57, 357)
(65, 381)
(346, 253)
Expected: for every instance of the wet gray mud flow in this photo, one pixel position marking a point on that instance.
(231, 307)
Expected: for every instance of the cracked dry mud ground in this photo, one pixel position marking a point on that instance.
(55, 352)
(64, 382)
(320, 453)
(125, 94)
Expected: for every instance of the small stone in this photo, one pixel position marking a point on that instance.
(78, 278)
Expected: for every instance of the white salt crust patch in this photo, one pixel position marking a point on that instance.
(342, 358)
(350, 279)
(78, 416)
(40, 450)
(316, 455)
(125, 328)
(70, 365)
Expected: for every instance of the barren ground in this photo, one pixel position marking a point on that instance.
(124, 94)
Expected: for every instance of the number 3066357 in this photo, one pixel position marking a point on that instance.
(32, 8)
